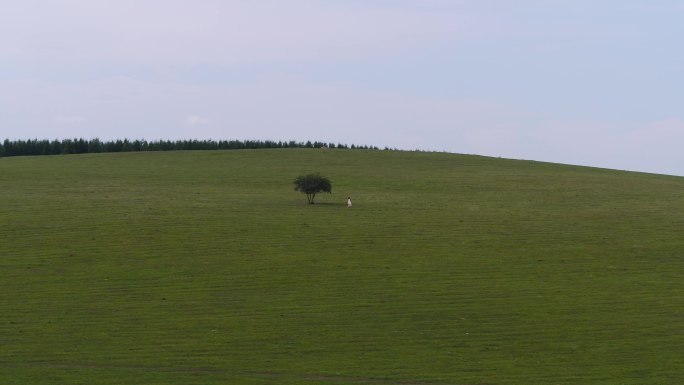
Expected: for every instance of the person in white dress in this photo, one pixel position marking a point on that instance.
(349, 202)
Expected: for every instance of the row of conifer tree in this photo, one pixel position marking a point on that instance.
(85, 146)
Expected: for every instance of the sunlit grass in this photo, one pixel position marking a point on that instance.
(207, 268)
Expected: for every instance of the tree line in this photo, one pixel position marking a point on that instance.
(86, 146)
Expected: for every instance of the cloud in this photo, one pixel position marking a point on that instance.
(70, 120)
(657, 142)
(195, 120)
(181, 32)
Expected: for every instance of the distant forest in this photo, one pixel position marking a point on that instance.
(86, 146)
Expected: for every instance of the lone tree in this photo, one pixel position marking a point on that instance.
(312, 184)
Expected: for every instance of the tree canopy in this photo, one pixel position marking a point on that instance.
(312, 184)
(85, 146)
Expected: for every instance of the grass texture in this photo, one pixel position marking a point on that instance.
(208, 268)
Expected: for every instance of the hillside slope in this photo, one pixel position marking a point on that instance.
(207, 268)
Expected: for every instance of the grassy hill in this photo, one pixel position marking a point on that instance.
(207, 268)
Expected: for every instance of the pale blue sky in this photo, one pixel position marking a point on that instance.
(594, 83)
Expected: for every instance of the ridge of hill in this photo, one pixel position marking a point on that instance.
(207, 268)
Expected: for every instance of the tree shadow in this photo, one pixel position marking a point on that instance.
(328, 204)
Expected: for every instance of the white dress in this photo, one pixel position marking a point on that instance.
(348, 202)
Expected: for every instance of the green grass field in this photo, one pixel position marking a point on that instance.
(207, 268)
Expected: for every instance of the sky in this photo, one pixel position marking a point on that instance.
(596, 83)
